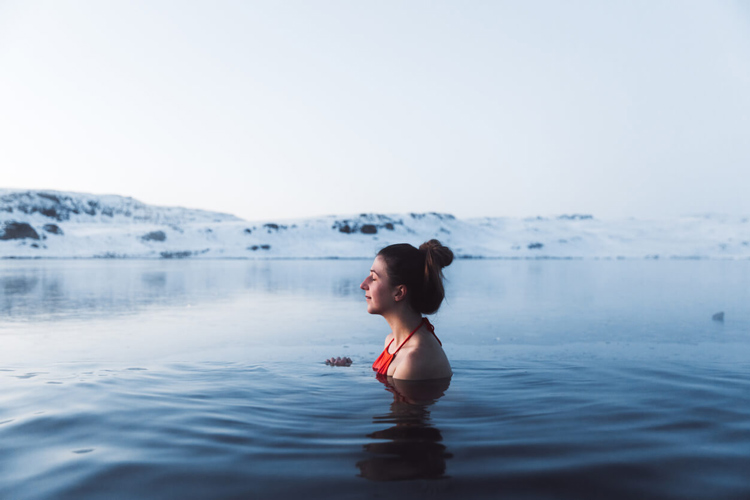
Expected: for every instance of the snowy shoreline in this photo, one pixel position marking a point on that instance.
(63, 225)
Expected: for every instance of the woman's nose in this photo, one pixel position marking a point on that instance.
(362, 285)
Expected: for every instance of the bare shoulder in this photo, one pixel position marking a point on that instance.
(418, 364)
(412, 366)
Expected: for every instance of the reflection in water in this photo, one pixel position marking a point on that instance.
(19, 285)
(54, 290)
(411, 447)
(155, 279)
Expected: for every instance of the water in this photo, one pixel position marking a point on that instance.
(190, 379)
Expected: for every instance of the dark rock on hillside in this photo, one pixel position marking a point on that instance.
(273, 227)
(346, 227)
(719, 316)
(248, 231)
(433, 214)
(535, 246)
(576, 217)
(183, 254)
(18, 231)
(366, 224)
(52, 229)
(343, 227)
(154, 236)
(257, 247)
(176, 255)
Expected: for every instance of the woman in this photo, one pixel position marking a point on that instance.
(405, 283)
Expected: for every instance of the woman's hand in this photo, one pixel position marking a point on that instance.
(339, 361)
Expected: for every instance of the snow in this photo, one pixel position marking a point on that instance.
(111, 226)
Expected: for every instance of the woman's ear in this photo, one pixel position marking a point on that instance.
(400, 293)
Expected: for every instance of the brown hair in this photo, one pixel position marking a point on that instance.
(421, 270)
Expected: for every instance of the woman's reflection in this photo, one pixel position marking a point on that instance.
(410, 448)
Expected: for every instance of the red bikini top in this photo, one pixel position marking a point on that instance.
(384, 360)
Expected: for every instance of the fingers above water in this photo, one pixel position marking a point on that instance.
(339, 361)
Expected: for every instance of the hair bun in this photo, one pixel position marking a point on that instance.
(439, 255)
(421, 270)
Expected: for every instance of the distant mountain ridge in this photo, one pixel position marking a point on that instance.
(82, 207)
(55, 224)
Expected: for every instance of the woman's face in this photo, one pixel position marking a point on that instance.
(378, 291)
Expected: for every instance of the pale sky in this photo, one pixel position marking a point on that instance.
(286, 109)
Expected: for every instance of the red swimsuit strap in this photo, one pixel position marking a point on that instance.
(384, 360)
(424, 321)
(432, 330)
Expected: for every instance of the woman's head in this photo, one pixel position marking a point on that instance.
(420, 271)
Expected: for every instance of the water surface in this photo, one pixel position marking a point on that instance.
(205, 379)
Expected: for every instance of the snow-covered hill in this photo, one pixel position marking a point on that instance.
(52, 224)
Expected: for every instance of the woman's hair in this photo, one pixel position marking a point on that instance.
(421, 270)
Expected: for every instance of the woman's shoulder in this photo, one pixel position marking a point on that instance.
(422, 361)
(416, 366)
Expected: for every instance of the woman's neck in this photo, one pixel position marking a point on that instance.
(403, 323)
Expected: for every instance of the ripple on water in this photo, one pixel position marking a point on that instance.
(562, 430)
